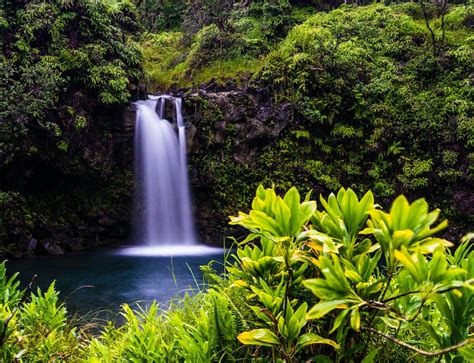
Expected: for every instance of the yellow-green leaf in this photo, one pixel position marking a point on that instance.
(311, 338)
(355, 319)
(263, 337)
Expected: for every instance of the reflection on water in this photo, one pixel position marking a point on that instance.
(105, 279)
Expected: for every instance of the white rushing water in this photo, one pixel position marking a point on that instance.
(162, 201)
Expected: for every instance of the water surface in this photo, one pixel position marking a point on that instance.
(104, 279)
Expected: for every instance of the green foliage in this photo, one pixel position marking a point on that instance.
(9, 294)
(273, 216)
(170, 63)
(161, 15)
(202, 13)
(369, 106)
(67, 69)
(419, 288)
(197, 329)
(37, 330)
(275, 17)
(14, 216)
(219, 41)
(405, 227)
(378, 109)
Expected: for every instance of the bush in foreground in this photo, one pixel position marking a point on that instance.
(345, 282)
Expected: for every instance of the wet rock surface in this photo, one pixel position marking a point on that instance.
(248, 115)
(229, 131)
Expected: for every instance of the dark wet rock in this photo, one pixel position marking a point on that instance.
(52, 247)
(83, 230)
(248, 116)
(76, 244)
(32, 246)
(62, 236)
(231, 128)
(107, 221)
(42, 230)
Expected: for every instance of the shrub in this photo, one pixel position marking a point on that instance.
(376, 104)
(34, 328)
(350, 274)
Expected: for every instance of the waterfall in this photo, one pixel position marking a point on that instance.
(162, 198)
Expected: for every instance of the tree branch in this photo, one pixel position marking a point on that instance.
(418, 292)
(427, 22)
(443, 30)
(418, 350)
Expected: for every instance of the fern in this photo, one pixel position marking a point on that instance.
(10, 295)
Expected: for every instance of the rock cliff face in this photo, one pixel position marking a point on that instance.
(69, 209)
(228, 130)
(248, 116)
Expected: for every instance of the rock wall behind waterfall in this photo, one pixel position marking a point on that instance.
(228, 131)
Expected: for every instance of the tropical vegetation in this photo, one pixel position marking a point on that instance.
(358, 114)
(348, 281)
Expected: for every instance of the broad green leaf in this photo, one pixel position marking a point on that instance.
(282, 216)
(264, 222)
(438, 266)
(402, 238)
(332, 270)
(324, 307)
(262, 337)
(417, 211)
(292, 200)
(250, 238)
(339, 320)
(392, 323)
(467, 353)
(366, 204)
(429, 245)
(431, 231)
(311, 338)
(305, 211)
(260, 192)
(431, 331)
(407, 262)
(399, 212)
(298, 320)
(352, 275)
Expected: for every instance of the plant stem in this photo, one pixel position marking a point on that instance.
(418, 350)
(428, 26)
(389, 280)
(470, 281)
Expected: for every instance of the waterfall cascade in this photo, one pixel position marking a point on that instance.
(163, 223)
(162, 202)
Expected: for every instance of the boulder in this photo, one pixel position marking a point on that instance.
(52, 247)
(32, 245)
(75, 244)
